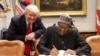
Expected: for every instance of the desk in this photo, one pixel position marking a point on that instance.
(67, 55)
(71, 55)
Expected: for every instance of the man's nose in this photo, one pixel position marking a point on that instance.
(62, 29)
(32, 17)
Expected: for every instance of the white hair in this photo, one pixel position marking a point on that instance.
(32, 8)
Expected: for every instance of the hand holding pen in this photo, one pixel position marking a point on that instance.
(54, 51)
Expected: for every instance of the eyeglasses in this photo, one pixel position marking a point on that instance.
(63, 27)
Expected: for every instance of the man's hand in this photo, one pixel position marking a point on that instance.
(69, 51)
(54, 52)
(30, 36)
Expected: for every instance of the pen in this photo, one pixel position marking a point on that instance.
(54, 47)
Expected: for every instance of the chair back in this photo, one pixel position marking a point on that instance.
(11, 48)
(94, 42)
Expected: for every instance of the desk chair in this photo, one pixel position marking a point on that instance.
(94, 42)
(11, 48)
(36, 53)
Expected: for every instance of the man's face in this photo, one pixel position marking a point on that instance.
(62, 28)
(31, 17)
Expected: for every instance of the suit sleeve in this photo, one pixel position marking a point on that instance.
(12, 32)
(44, 42)
(84, 48)
(40, 29)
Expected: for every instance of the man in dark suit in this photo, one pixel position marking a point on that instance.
(63, 38)
(26, 27)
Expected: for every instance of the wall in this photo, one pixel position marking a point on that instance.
(84, 24)
(98, 4)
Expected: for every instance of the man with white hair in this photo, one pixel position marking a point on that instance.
(63, 37)
(26, 27)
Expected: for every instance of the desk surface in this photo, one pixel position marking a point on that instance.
(65, 55)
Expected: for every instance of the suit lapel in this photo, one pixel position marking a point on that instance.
(33, 27)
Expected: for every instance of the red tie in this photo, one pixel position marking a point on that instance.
(27, 43)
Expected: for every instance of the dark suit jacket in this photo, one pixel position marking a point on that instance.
(71, 40)
(17, 28)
